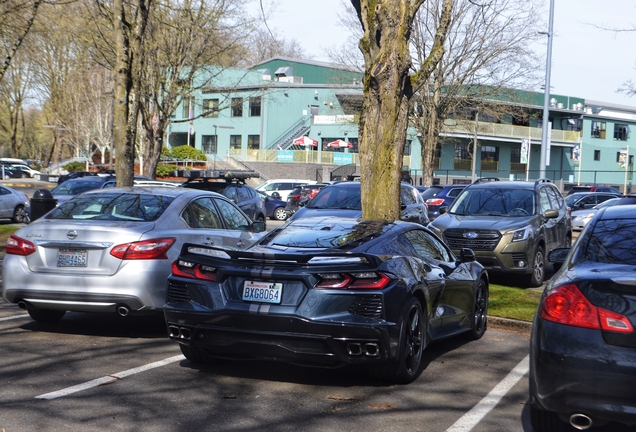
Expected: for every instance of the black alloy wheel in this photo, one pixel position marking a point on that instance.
(480, 311)
(20, 215)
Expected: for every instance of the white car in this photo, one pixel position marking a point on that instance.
(32, 173)
(280, 188)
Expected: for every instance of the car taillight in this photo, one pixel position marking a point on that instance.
(435, 201)
(567, 305)
(147, 249)
(191, 270)
(19, 246)
(365, 280)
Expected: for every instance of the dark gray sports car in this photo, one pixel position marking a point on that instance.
(327, 292)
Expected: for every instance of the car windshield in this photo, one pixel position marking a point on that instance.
(74, 188)
(113, 206)
(613, 241)
(335, 197)
(495, 202)
(334, 235)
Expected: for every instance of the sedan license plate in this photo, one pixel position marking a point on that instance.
(71, 258)
(264, 292)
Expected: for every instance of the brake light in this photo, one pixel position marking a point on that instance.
(147, 249)
(191, 270)
(19, 246)
(366, 280)
(435, 201)
(567, 305)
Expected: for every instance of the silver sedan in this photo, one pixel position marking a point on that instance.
(580, 218)
(112, 250)
(14, 205)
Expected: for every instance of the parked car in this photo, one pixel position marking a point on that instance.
(587, 200)
(301, 195)
(580, 218)
(280, 188)
(14, 205)
(22, 171)
(343, 199)
(111, 250)
(76, 174)
(583, 344)
(232, 185)
(274, 208)
(72, 187)
(511, 226)
(438, 196)
(594, 188)
(327, 291)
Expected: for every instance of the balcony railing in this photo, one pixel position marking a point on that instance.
(507, 130)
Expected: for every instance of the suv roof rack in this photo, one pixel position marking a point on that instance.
(227, 175)
(485, 179)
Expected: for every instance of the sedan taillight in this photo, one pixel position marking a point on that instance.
(567, 305)
(147, 249)
(191, 270)
(435, 201)
(19, 246)
(365, 280)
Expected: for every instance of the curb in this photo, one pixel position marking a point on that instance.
(510, 323)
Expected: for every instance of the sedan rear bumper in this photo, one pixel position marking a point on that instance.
(573, 370)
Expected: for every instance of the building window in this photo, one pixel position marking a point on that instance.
(255, 107)
(462, 160)
(620, 132)
(237, 107)
(598, 129)
(185, 108)
(235, 142)
(597, 155)
(211, 108)
(490, 158)
(407, 148)
(208, 144)
(253, 142)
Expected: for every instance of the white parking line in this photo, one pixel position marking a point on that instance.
(108, 379)
(479, 411)
(14, 317)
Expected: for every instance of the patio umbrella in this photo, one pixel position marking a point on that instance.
(339, 144)
(306, 141)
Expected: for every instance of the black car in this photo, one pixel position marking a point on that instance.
(588, 200)
(76, 174)
(232, 185)
(72, 187)
(343, 199)
(583, 344)
(438, 196)
(327, 292)
(301, 195)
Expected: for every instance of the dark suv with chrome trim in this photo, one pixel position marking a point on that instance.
(511, 226)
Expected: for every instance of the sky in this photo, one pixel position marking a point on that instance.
(587, 62)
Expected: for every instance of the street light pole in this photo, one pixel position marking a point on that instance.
(546, 96)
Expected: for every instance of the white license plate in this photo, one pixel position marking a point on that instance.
(71, 258)
(264, 292)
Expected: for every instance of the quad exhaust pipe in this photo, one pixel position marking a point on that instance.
(369, 349)
(580, 421)
(177, 332)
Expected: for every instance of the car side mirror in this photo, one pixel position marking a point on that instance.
(258, 227)
(466, 255)
(551, 214)
(558, 255)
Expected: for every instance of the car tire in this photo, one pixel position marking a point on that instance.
(46, 315)
(196, 355)
(20, 215)
(280, 214)
(547, 421)
(408, 365)
(479, 322)
(538, 268)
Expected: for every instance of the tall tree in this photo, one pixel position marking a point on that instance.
(388, 88)
(487, 53)
(16, 19)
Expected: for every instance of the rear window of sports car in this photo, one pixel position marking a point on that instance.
(113, 206)
(328, 236)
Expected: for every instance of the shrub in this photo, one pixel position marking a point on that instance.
(187, 152)
(166, 170)
(75, 166)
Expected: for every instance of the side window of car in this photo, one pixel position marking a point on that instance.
(201, 213)
(454, 192)
(234, 219)
(544, 200)
(427, 246)
(243, 194)
(406, 196)
(4, 191)
(556, 200)
(230, 192)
